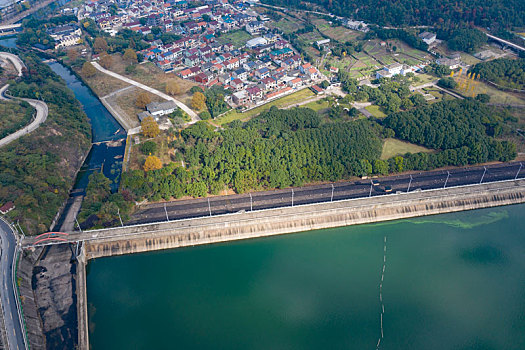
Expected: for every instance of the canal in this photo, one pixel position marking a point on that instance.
(452, 281)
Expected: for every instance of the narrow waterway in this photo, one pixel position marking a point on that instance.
(452, 281)
(108, 137)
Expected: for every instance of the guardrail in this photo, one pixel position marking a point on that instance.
(350, 200)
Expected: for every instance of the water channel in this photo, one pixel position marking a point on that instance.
(452, 281)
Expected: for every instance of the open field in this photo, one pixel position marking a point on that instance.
(237, 37)
(318, 106)
(149, 74)
(395, 147)
(496, 96)
(376, 111)
(124, 103)
(423, 79)
(287, 25)
(281, 102)
(102, 84)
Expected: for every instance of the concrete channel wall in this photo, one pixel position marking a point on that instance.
(207, 230)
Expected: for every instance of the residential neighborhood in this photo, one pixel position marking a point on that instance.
(265, 67)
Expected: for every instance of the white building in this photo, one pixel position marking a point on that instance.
(428, 37)
(259, 41)
(66, 35)
(156, 109)
(390, 70)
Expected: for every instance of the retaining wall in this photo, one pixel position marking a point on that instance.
(167, 235)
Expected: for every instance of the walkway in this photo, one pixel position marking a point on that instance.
(191, 113)
(40, 107)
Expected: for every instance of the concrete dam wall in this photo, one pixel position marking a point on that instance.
(206, 230)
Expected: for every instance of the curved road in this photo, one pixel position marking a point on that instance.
(8, 294)
(192, 114)
(40, 107)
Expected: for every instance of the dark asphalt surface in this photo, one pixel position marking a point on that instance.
(7, 292)
(323, 193)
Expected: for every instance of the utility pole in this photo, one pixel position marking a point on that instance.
(118, 212)
(78, 224)
(516, 177)
(209, 206)
(409, 183)
(482, 176)
(292, 197)
(20, 227)
(371, 186)
(448, 175)
(251, 202)
(332, 196)
(166, 211)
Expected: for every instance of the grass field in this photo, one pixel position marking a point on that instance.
(318, 105)
(395, 147)
(288, 25)
(376, 112)
(238, 38)
(496, 96)
(281, 102)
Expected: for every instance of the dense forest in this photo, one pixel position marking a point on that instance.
(13, 116)
(282, 148)
(491, 13)
(463, 130)
(37, 170)
(502, 71)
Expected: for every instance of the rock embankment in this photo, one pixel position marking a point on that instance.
(49, 297)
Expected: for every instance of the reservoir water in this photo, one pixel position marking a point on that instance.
(452, 281)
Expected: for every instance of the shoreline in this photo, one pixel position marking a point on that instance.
(270, 222)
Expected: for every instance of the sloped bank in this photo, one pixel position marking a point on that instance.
(206, 230)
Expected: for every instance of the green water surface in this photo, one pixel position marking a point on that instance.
(453, 281)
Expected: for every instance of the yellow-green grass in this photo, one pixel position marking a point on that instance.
(317, 105)
(496, 96)
(394, 147)
(285, 101)
(469, 59)
(376, 112)
(238, 38)
(423, 79)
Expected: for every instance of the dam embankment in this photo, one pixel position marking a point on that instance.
(222, 228)
(206, 230)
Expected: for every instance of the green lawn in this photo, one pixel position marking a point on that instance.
(395, 147)
(376, 112)
(238, 38)
(317, 105)
(281, 102)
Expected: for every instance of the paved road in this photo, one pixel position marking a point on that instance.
(323, 193)
(508, 43)
(40, 107)
(12, 320)
(191, 113)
